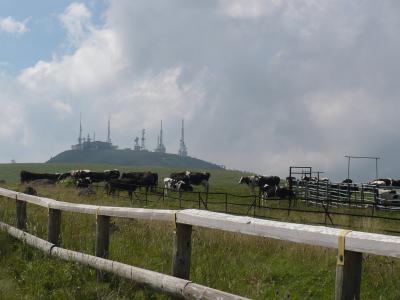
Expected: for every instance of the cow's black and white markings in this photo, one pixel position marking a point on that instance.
(261, 182)
(176, 185)
(193, 178)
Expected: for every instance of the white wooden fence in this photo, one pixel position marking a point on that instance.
(350, 244)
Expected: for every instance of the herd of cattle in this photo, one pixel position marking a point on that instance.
(180, 182)
(116, 181)
(266, 186)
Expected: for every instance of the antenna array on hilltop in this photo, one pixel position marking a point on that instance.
(91, 144)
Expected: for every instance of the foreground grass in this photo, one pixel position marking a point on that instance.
(258, 268)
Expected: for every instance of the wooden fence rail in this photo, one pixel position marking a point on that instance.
(350, 244)
(160, 282)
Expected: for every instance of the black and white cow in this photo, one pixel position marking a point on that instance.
(95, 176)
(257, 181)
(176, 185)
(193, 178)
(275, 191)
(250, 181)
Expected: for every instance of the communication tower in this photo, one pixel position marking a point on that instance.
(160, 144)
(182, 146)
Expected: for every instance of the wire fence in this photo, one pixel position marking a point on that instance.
(314, 202)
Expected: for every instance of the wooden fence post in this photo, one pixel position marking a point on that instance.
(182, 251)
(102, 240)
(54, 226)
(348, 276)
(21, 214)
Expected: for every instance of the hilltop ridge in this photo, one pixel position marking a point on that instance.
(131, 157)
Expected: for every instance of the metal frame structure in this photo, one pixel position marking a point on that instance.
(349, 157)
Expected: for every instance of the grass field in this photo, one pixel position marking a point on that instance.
(254, 267)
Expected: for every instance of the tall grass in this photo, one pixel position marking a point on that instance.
(255, 267)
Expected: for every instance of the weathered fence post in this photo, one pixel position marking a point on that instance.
(348, 276)
(102, 240)
(182, 251)
(54, 226)
(21, 214)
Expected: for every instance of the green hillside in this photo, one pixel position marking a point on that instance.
(132, 158)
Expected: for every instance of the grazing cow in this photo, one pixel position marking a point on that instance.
(268, 191)
(270, 180)
(27, 176)
(193, 178)
(276, 191)
(124, 184)
(251, 181)
(176, 185)
(149, 180)
(95, 176)
(142, 179)
(260, 182)
(199, 178)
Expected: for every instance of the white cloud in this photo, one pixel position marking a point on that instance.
(10, 25)
(262, 85)
(93, 66)
(248, 8)
(76, 19)
(63, 110)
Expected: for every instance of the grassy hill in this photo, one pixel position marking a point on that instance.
(132, 158)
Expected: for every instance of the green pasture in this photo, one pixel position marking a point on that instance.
(258, 268)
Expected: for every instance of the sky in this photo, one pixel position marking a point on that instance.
(262, 84)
